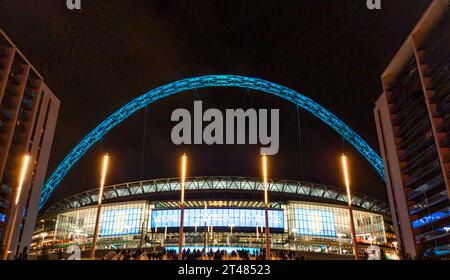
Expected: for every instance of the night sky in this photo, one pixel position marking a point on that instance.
(97, 59)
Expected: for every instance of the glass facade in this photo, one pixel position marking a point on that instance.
(298, 223)
(116, 221)
(314, 222)
(309, 221)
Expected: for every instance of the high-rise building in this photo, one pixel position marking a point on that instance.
(28, 116)
(413, 123)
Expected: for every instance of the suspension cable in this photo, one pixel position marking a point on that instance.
(144, 141)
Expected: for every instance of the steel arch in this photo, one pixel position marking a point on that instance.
(203, 82)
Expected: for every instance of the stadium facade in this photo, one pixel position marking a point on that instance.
(220, 212)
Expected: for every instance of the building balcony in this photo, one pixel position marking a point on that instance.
(421, 127)
(5, 189)
(15, 80)
(445, 126)
(4, 203)
(433, 235)
(421, 173)
(11, 91)
(8, 103)
(443, 107)
(423, 158)
(417, 146)
(426, 187)
(5, 115)
(27, 104)
(432, 218)
(429, 202)
(31, 94)
(3, 127)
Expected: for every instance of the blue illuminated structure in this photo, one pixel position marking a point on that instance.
(431, 218)
(203, 82)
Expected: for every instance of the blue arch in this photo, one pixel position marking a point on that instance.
(203, 82)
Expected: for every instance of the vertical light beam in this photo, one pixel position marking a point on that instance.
(183, 181)
(15, 206)
(266, 204)
(104, 171)
(23, 173)
(350, 210)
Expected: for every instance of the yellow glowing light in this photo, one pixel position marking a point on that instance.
(183, 176)
(264, 163)
(23, 173)
(346, 177)
(103, 178)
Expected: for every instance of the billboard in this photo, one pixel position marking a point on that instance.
(120, 222)
(221, 217)
(314, 222)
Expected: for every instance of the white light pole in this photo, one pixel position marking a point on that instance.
(266, 204)
(395, 243)
(183, 181)
(100, 201)
(350, 210)
(43, 235)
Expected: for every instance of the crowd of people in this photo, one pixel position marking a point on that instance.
(196, 254)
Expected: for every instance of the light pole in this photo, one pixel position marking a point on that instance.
(15, 206)
(266, 204)
(165, 236)
(395, 243)
(205, 229)
(100, 200)
(183, 181)
(43, 235)
(231, 233)
(350, 210)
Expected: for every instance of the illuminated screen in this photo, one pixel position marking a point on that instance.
(120, 222)
(314, 222)
(222, 217)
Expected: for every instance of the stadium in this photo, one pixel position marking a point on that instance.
(225, 213)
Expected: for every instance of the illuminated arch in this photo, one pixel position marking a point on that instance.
(203, 82)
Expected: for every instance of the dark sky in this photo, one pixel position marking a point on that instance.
(97, 59)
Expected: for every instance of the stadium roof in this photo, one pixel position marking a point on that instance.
(291, 189)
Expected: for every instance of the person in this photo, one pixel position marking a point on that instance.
(60, 255)
(218, 255)
(24, 255)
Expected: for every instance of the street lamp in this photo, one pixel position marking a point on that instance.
(183, 181)
(231, 229)
(165, 236)
(205, 229)
(395, 243)
(231, 233)
(100, 200)
(350, 210)
(15, 206)
(266, 204)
